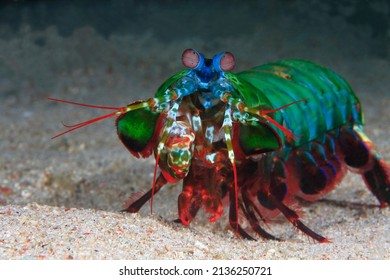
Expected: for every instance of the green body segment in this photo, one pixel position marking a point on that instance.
(328, 101)
(248, 92)
(136, 128)
(258, 138)
(168, 83)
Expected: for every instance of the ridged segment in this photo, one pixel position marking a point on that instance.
(330, 101)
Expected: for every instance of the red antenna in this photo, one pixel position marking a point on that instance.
(117, 111)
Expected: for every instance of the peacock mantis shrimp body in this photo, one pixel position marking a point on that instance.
(260, 139)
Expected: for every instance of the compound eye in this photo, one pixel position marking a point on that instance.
(224, 62)
(227, 62)
(192, 59)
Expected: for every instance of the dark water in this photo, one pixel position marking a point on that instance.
(141, 41)
(170, 21)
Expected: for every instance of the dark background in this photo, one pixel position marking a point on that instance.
(179, 20)
(141, 41)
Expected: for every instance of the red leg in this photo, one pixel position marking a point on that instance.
(137, 202)
(293, 218)
(359, 153)
(378, 181)
(250, 212)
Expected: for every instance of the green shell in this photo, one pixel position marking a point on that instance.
(161, 90)
(330, 101)
(327, 100)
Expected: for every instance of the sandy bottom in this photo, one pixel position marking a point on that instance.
(45, 232)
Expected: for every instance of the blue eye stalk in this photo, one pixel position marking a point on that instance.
(208, 69)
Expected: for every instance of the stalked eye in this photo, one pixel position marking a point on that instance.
(224, 62)
(227, 62)
(192, 59)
